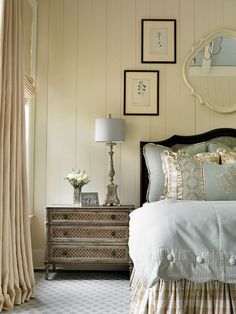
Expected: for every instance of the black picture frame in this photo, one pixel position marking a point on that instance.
(141, 92)
(158, 41)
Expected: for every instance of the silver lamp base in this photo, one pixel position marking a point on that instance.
(112, 198)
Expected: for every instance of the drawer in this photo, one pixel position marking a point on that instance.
(89, 233)
(111, 217)
(89, 253)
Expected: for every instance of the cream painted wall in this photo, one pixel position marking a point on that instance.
(83, 48)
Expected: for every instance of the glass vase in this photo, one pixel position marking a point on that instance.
(77, 196)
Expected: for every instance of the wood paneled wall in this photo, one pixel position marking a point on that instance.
(84, 46)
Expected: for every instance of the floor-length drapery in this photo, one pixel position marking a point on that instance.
(16, 267)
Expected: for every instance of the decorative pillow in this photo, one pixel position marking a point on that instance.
(192, 179)
(152, 154)
(194, 149)
(229, 141)
(227, 157)
(213, 147)
(212, 157)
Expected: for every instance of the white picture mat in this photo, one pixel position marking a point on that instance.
(161, 48)
(138, 104)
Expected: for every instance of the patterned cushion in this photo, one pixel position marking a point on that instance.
(212, 157)
(226, 140)
(214, 147)
(152, 154)
(227, 157)
(194, 149)
(192, 179)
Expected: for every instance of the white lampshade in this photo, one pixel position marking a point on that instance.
(109, 130)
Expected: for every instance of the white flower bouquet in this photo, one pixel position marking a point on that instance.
(77, 178)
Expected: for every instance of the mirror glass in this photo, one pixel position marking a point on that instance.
(210, 71)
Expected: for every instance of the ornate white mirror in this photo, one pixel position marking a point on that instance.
(209, 71)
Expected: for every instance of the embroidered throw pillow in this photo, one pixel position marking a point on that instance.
(193, 149)
(190, 179)
(213, 147)
(227, 157)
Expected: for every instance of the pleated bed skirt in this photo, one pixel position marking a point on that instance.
(182, 297)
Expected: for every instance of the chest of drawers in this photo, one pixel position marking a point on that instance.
(92, 235)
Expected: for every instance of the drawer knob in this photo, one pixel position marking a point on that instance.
(65, 216)
(113, 217)
(65, 233)
(64, 253)
(113, 253)
(113, 233)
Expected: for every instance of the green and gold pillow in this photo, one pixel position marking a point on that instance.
(227, 157)
(190, 179)
(194, 149)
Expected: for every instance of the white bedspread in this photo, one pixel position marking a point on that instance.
(194, 240)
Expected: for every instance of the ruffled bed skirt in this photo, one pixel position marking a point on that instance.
(182, 297)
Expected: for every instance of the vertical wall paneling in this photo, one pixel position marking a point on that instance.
(157, 123)
(40, 177)
(55, 101)
(113, 82)
(229, 13)
(142, 10)
(215, 22)
(201, 26)
(68, 110)
(174, 122)
(128, 40)
(83, 48)
(98, 20)
(185, 33)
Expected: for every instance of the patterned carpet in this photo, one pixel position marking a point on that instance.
(79, 292)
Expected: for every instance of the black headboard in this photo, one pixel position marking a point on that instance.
(177, 139)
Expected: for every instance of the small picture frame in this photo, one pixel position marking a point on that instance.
(141, 92)
(89, 199)
(158, 41)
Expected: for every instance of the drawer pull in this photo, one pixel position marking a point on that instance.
(65, 216)
(64, 253)
(113, 253)
(113, 233)
(65, 233)
(113, 217)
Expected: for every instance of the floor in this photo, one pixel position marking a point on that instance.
(79, 292)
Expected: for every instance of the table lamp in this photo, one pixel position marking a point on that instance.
(110, 130)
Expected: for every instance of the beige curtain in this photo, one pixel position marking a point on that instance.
(16, 267)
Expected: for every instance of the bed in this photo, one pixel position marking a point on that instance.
(183, 237)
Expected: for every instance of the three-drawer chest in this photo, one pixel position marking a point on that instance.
(87, 235)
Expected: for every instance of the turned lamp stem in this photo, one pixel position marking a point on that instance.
(111, 170)
(110, 130)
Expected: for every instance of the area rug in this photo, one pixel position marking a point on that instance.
(79, 292)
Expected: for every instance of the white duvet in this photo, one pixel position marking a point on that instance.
(194, 240)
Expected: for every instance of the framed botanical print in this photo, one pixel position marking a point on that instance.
(158, 41)
(141, 92)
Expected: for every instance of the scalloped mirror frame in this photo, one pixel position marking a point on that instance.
(193, 53)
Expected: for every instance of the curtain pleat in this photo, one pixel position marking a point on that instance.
(16, 267)
(29, 87)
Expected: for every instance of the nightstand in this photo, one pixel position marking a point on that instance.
(87, 235)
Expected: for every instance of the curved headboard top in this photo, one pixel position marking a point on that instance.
(175, 140)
